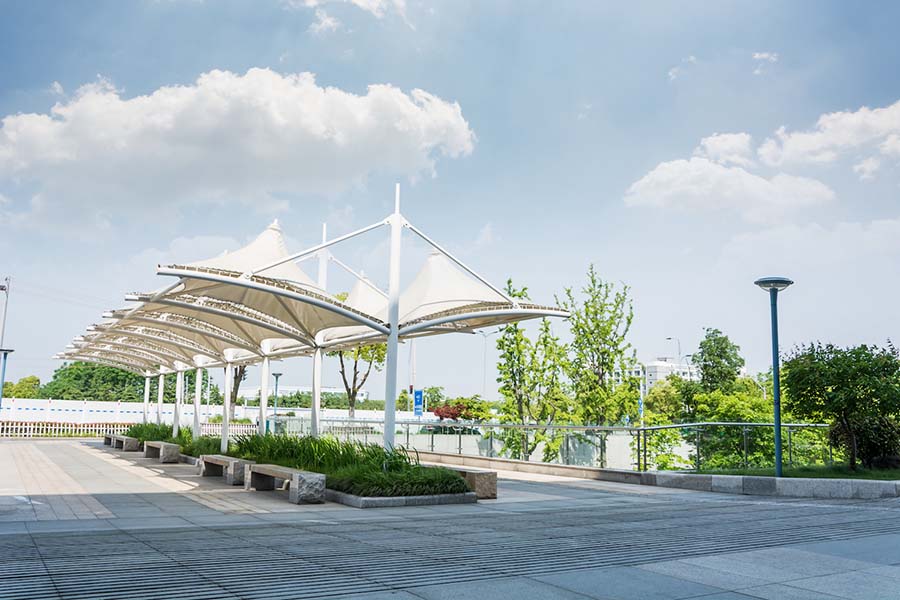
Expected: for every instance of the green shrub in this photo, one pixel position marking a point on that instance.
(351, 467)
(877, 441)
(149, 432)
(414, 480)
(218, 419)
(206, 444)
(320, 454)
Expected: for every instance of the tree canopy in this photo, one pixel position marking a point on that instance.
(719, 361)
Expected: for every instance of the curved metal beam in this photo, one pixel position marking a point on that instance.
(292, 334)
(258, 283)
(182, 322)
(530, 313)
(108, 363)
(159, 335)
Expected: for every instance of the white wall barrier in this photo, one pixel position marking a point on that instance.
(93, 411)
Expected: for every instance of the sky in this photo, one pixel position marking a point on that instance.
(684, 149)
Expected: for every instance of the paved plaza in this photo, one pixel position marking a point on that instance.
(78, 521)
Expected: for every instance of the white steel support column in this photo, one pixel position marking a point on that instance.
(263, 394)
(390, 371)
(146, 399)
(179, 400)
(160, 392)
(316, 405)
(226, 404)
(315, 408)
(198, 393)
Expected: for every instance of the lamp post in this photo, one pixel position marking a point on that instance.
(4, 353)
(276, 376)
(678, 345)
(773, 285)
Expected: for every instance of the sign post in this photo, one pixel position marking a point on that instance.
(418, 403)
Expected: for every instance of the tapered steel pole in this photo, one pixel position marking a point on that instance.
(390, 374)
(776, 379)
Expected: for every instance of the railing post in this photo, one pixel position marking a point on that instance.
(697, 447)
(746, 432)
(790, 447)
(407, 435)
(491, 447)
(603, 435)
(459, 431)
(432, 438)
(637, 438)
(645, 449)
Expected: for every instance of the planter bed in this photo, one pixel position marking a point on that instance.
(391, 501)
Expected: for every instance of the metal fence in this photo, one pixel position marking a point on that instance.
(690, 446)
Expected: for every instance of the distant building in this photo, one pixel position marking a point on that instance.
(660, 369)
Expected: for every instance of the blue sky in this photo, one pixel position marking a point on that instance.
(554, 135)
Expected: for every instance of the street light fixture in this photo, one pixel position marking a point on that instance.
(678, 344)
(773, 285)
(276, 376)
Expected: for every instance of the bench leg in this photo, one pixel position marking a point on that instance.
(261, 482)
(211, 470)
(234, 474)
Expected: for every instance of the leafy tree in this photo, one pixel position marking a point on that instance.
(89, 381)
(601, 357)
(433, 396)
(533, 386)
(404, 400)
(845, 386)
(719, 361)
(27, 387)
(465, 408)
(664, 401)
(362, 359)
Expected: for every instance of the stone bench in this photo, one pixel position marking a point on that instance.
(125, 443)
(481, 481)
(107, 439)
(303, 485)
(166, 452)
(218, 465)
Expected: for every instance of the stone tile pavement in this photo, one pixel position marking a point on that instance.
(80, 521)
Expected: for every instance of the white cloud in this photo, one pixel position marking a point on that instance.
(762, 59)
(183, 250)
(377, 8)
(700, 184)
(324, 23)
(866, 168)
(847, 248)
(485, 236)
(835, 134)
(725, 148)
(227, 137)
(676, 71)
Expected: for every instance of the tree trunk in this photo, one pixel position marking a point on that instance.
(351, 402)
(238, 377)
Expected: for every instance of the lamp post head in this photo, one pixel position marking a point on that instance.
(276, 375)
(773, 283)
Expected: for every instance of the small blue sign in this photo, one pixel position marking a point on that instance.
(418, 403)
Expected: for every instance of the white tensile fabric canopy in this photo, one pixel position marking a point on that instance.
(256, 303)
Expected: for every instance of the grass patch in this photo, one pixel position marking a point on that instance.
(351, 467)
(817, 471)
(149, 432)
(362, 480)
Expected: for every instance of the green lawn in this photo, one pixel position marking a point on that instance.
(820, 471)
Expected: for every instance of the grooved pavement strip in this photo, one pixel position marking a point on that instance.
(78, 521)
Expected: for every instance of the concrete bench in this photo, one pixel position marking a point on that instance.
(166, 452)
(125, 443)
(303, 485)
(218, 465)
(107, 439)
(481, 481)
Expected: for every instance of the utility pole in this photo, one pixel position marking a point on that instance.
(4, 287)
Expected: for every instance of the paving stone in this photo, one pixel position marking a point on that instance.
(626, 583)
